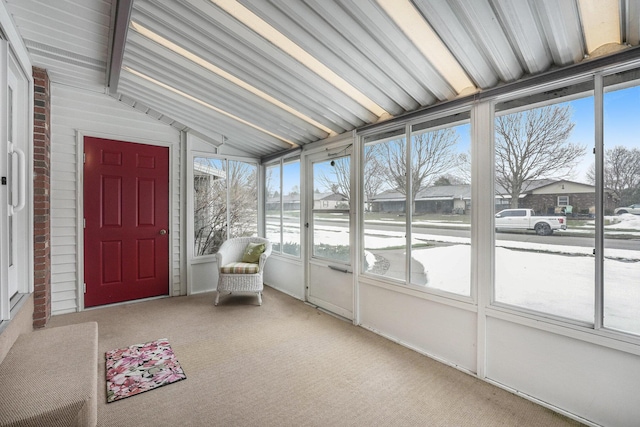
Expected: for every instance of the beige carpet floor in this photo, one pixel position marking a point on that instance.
(288, 364)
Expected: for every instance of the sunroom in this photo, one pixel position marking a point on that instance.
(139, 135)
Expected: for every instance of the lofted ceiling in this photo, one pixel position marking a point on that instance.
(264, 76)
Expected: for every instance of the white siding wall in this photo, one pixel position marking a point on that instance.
(94, 114)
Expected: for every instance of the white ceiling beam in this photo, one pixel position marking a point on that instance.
(521, 27)
(259, 26)
(313, 97)
(117, 43)
(485, 30)
(194, 115)
(391, 39)
(245, 46)
(413, 24)
(151, 59)
(560, 21)
(632, 22)
(600, 23)
(363, 40)
(339, 50)
(211, 74)
(444, 20)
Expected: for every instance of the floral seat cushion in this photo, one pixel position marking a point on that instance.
(240, 268)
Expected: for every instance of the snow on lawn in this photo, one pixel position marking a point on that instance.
(624, 221)
(549, 283)
(553, 279)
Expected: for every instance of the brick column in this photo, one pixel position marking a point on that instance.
(41, 198)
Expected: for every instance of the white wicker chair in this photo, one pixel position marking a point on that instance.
(231, 252)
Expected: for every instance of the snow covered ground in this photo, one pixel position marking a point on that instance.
(553, 279)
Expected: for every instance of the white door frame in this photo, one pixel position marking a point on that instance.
(332, 271)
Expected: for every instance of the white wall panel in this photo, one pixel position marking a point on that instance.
(285, 275)
(94, 114)
(204, 277)
(596, 382)
(442, 331)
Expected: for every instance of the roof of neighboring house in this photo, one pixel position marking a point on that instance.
(200, 168)
(330, 197)
(287, 198)
(450, 192)
(440, 192)
(293, 198)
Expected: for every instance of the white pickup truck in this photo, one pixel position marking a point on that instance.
(525, 219)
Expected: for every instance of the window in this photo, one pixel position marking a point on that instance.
(437, 200)
(225, 202)
(541, 140)
(282, 206)
(563, 200)
(273, 206)
(330, 214)
(384, 206)
(441, 192)
(621, 188)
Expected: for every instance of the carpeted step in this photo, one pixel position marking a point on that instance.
(50, 378)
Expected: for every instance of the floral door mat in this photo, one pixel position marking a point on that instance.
(141, 367)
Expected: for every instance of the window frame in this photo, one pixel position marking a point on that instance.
(572, 82)
(195, 258)
(405, 130)
(281, 162)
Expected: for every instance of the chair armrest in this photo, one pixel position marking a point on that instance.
(262, 261)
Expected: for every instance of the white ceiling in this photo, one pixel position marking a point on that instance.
(268, 75)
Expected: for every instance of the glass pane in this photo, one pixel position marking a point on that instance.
(210, 204)
(441, 203)
(544, 251)
(291, 207)
(331, 190)
(622, 202)
(243, 199)
(384, 206)
(273, 206)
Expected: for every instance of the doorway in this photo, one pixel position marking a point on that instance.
(15, 246)
(329, 252)
(126, 221)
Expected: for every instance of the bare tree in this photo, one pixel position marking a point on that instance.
(432, 154)
(211, 204)
(532, 145)
(338, 178)
(621, 173)
(374, 176)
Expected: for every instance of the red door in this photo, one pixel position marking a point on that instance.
(126, 212)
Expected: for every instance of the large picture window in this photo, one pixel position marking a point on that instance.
(282, 206)
(225, 202)
(433, 207)
(621, 199)
(544, 258)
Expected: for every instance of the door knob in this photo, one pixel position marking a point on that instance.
(163, 232)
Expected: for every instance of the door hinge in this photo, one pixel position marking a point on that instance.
(594, 150)
(84, 222)
(84, 157)
(84, 288)
(306, 225)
